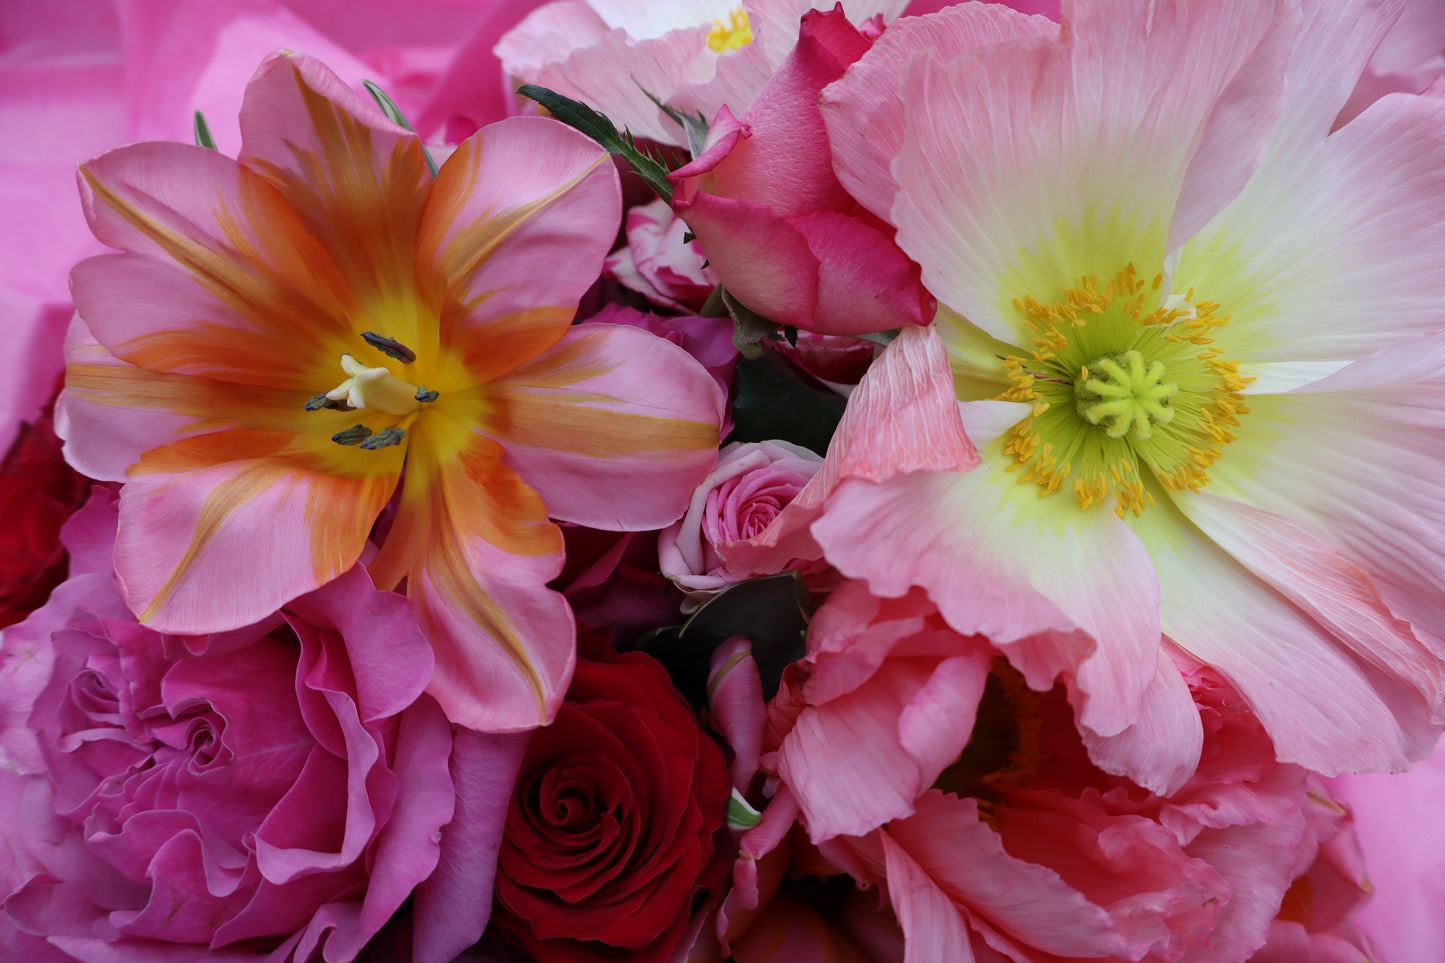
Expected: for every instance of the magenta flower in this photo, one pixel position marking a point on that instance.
(284, 334)
(281, 796)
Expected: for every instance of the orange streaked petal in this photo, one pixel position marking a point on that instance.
(476, 549)
(516, 229)
(218, 531)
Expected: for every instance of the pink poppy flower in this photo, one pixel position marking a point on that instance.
(692, 55)
(282, 335)
(1195, 340)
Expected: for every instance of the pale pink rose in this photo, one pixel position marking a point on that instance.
(279, 798)
(656, 262)
(920, 762)
(751, 484)
(780, 231)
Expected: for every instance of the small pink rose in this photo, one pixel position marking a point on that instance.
(657, 263)
(752, 483)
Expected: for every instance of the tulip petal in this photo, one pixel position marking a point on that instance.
(357, 181)
(476, 548)
(220, 530)
(516, 230)
(227, 228)
(614, 427)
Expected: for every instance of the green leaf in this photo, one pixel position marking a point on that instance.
(772, 401)
(579, 116)
(203, 132)
(393, 113)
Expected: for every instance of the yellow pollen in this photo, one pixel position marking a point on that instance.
(731, 36)
(1122, 398)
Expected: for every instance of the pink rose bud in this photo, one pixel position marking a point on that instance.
(751, 484)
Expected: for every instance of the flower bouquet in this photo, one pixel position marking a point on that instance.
(609, 481)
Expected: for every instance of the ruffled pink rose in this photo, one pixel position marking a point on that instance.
(902, 745)
(751, 484)
(779, 230)
(280, 797)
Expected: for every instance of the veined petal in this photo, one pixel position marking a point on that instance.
(1327, 257)
(220, 530)
(1064, 591)
(1324, 707)
(516, 230)
(262, 274)
(111, 412)
(1027, 165)
(476, 549)
(870, 97)
(357, 181)
(160, 317)
(1320, 580)
(1318, 458)
(614, 427)
(933, 927)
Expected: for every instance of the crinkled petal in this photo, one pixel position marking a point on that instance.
(614, 427)
(1028, 165)
(1161, 751)
(1323, 706)
(870, 97)
(476, 548)
(1318, 457)
(1068, 591)
(1329, 256)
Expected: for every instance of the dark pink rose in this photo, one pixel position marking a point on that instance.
(751, 484)
(280, 798)
(779, 230)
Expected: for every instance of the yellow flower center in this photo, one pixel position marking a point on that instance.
(736, 34)
(375, 389)
(1123, 397)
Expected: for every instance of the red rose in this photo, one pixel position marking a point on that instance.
(612, 823)
(38, 492)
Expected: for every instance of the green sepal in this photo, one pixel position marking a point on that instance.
(771, 401)
(203, 132)
(393, 113)
(579, 116)
(694, 125)
(740, 814)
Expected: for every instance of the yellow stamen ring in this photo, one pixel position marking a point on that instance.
(1114, 385)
